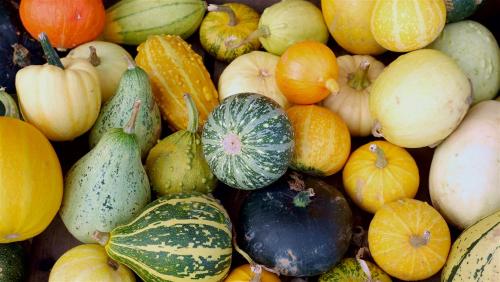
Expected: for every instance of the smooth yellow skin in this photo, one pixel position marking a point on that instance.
(408, 25)
(89, 262)
(63, 104)
(243, 273)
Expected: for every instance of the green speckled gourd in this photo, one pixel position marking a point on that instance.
(12, 263)
(108, 186)
(176, 164)
(134, 85)
(354, 270)
(179, 237)
(8, 106)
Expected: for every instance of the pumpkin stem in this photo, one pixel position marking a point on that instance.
(381, 161)
(192, 113)
(377, 130)
(130, 127)
(21, 56)
(359, 79)
(419, 241)
(101, 237)
(93, 58)
(226, 9)
(262, 31)
(365, 268)
(131, 63)
(296, 182)
(257, 273)
(303, 198)
(48, 50)
(332, 85)
(113, 264)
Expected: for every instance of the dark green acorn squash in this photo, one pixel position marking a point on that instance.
(457, 10)
(12, 263)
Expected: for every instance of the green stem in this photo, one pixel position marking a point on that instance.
(226, 9)
(303, 198)
(262, 31)
(192, 114)
(130, 127)
(48, 50)
(359, 79)
(101, 237)
(93, 58)
(381, 161)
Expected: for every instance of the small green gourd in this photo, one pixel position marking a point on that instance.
(176, 164)
(8, 106)
(108, 186)
(12, 263)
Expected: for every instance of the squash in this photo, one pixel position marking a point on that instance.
(403, 26)
(133, 21)
(110, 63)
(175, 69)
(417, 104)
(248, 141)
(67, 23)
(354, 270)
(246, 273)
(32, 181)
(457, 10)
(409, 239)
(89, 262)
(227, 25)
(307, 72)
(322, 140)
(13, 261)
(8, 106)
(378, 173)
(178, 237)
(356, 76)
(252, 73)
(349, 23)
(465, 168)
(474, 255)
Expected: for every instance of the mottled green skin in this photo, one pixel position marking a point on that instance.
(134, 85)
(105, 188)
(8, 106)
(12, 263)
(184, 222)
(457, 10)
(350, 270)
(266, 137)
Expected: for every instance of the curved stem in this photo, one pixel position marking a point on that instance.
(365, 268)
(130, 127)
(381, 161)
(93, 58)
(48, 50)
(257, 273)
(101, 237)
(263, 31)
(377, 130)
(192, 113)
(226, 9)
(303, 198)
(332, 85)
(419, 241)
(359, 79)
(247, 256)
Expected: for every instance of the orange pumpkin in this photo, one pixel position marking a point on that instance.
(244, 273)
(67, 23)
(307, 72)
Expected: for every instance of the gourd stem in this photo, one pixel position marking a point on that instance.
(192, 113)
(377, 130)
(48, 50)
(419, 241)
(101, 237)
(365, 268)
(226, 9)
(248, 258)
(93, 58)
(359, 79)
(381, 161)
(130, 127)
(262, 31)
(113, 264)
(257, 273)
(332, 85)
(303, 198)
(131, 63)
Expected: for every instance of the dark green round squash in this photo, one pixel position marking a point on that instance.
(12, 263)
(457, 10)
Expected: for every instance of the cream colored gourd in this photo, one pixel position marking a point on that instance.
(464, 179)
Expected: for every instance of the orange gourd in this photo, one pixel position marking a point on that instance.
(307, 72)
(244, 273)
(67, 23)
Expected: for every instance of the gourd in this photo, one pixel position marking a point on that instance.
(378, 173)
(248, 273)
(464, 168)
(457, 10)
(474, 48)
(175, 69)
(403, 26)
(176, 164)
(178, 237)
(32, 181)
(356, 76)
(108, 58)
(12, 263)
(322, 140)
(225, 26)
(349, 23)
(416, 104)
(61, 98)
(89, 262)
(411, 233)
(297, 226)
(8, 106)
(307, 73)
(252, 73)
(106, 187)
(248, 141)
(354, 270)
(67, 23)
(134, 85)
(133, 21)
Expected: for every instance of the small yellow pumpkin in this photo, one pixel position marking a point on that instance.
(245, 273)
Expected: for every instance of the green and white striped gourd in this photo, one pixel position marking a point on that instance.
(134, 85)
(248, 141)
(106, 187)
(8, 106)
(179, 237)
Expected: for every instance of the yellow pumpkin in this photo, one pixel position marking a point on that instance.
(31, 181)
(403, 26)
(349, 23)
(409, 239)
(322, 140)
(378, 173)
(244, 273)
(89, 262)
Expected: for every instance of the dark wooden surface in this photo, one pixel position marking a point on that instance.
(46, 248)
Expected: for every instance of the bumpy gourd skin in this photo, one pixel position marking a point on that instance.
(12, 263)
(350, 269)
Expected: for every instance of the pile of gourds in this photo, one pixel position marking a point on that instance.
(286, 115)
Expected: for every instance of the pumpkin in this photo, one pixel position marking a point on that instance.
(416, 104)
(349, 23)
(246, 273)
(465, 168)
(13, 267)
(307, 72)
(409, 239)
(252, 73)
(457, 10)
(225, 26)
(175, 69)
(32, 181)
(8, 106)
(67, 23)
(89, 262)
(403, 26)
(354, 270)
(322, 140)
(356, 75)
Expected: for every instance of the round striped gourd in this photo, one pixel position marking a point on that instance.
(248, 141)
(179, 237)
(354, 270)
(475, 255)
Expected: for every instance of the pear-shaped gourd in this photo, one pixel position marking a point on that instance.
(134, 85)
(108, 186)
(176, 164)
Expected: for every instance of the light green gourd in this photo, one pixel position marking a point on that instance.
(8, 106)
